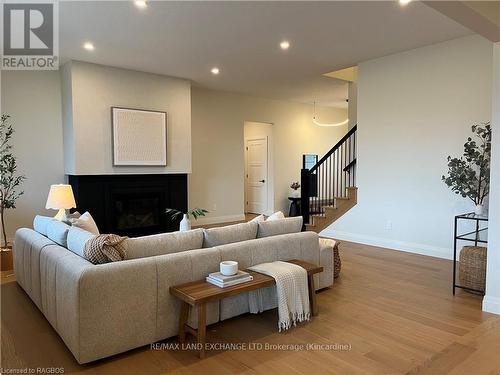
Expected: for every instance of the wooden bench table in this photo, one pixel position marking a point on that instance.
(199, 293)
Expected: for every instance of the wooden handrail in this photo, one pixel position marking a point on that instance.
(334, 148)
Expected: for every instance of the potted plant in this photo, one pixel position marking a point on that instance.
(9, 185)
(294, 190)
(185, 223)
(469, 175)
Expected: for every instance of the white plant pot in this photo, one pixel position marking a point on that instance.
(294, 193)
(185, 224)
(479, 210)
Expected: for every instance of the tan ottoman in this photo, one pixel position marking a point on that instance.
(472, 267)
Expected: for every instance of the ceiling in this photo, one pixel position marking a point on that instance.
(187, 39)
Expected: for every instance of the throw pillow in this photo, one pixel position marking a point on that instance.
(57, 231)
(258, 219)
(71, 218)
(40, 224)
(77, 238)
(86, 222)
(105, 248)
(276, 216)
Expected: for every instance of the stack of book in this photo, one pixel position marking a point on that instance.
(222, 281)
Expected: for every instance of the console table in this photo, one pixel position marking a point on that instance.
(478, 235)
(199, 293)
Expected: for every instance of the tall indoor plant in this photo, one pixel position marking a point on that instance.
(10, 181)
(469, 175)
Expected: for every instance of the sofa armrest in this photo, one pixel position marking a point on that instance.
(117, 307)
(326, 255)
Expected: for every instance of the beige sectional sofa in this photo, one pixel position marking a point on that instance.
(102, 310)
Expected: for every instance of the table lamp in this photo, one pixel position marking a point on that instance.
(60, 198)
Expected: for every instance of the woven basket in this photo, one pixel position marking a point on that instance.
(472, 267)
(337, 262)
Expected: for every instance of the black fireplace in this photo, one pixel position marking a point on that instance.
(131, 205)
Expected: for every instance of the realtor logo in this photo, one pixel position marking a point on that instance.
(30, 35)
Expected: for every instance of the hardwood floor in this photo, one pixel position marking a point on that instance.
(393, 311)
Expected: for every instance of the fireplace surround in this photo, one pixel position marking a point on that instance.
(131, 205)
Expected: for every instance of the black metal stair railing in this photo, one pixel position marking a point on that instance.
(329, 177)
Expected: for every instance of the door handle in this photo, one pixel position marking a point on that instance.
(262, 181)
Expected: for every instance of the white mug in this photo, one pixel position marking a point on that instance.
(229, 268)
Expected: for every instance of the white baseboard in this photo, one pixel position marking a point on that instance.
(409, 247)
(217, 219)
(491, 304)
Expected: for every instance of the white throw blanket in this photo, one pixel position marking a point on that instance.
(291, 290)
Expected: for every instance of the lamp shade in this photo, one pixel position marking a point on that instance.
(60, 196)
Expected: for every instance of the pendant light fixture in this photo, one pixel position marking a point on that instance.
(315, 121)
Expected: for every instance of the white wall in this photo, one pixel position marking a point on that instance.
(491, 301)
(218, 146)
(90, 94)
(414, 109)
(33, 100)
(353, 104)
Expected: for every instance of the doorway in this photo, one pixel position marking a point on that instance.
(258, 168)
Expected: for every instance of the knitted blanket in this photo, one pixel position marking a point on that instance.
(105, 248)
(291, 290)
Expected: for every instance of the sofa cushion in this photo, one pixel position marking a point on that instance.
(76, 240)
(164, 243)
(86, 222)
(229, 234)
(40, 223)
(57, 231)
(283, 226)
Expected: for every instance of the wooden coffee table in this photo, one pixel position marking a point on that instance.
(199, 293)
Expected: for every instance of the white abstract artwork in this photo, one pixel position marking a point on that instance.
(139, 137)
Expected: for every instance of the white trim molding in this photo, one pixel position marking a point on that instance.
(217, 220)
(409, 247)
(491, 304)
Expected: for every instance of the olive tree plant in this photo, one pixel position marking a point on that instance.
(469, 175)
(10, 181)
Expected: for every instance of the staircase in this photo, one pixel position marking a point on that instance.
(328, 189)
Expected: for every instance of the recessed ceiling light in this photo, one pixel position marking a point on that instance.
(215, 71)
(285, 44)
(404, 2)
(88, 46)
(140, 3)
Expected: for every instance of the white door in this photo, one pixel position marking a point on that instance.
(256, 175)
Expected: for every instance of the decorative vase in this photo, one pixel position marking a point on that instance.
(294, 193)
(185, 224)
(479, 210)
